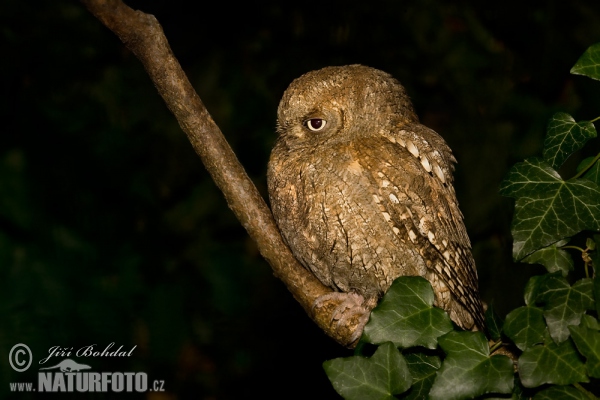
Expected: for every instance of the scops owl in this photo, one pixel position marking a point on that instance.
(362, 192)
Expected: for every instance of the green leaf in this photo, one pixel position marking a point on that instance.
(548, 209)
(564, 136)
(560, 393)
(518, 392)
(551, 363)
(406, 316)
(423, 369)
(563, 304)
(493, 323)
(593, 173)
(588, 343)
(468, 370)
(532, 288)
(553, 258)
(589, 63)
(595, 256)
(590, 322)
(529, 178)
(525, 326)
(379, 377)
(596, 289)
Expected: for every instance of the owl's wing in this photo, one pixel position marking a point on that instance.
(412, 176)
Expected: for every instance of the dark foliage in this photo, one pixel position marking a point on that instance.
(111, 230)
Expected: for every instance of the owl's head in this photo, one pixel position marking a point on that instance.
(342, 103)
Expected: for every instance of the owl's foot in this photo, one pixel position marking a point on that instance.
(350, 312)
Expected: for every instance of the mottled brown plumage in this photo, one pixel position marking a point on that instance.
(362, 192)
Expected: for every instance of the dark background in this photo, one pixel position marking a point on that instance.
(111, 230)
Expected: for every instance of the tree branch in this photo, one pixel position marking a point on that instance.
(142, 34)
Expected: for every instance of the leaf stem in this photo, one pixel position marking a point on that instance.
(496, 346)
(584, 170)
(587, 270)
(588, 394)
(587, 261)
(595, 119)
(573, 247)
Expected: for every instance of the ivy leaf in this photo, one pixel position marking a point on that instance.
(493, 323)
(595, 256)
(406, 316)
(528, 178)
(422, 369)
(518, 392)
(525, 326)
(593, 173)
(548, 209)
(532, 288)
(588, 343)
(563, 304)
(590, 322)
(565, 136)
(589, 63)
(468, 370)
(597, 286)
(560, 393)
(379, 377)
(551, 363)
(553, 258)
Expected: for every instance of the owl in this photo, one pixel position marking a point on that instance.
(362, 192)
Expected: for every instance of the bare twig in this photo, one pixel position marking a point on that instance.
(143, 35)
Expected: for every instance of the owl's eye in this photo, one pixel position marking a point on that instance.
(315, 124)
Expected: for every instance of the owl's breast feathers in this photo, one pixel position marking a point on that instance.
(358, 214)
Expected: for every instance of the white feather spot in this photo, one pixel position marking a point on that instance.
(445, 242)
(400, 141)
(410, 146)
(422, 223)
(394, 199)
(396, 230)
(386, 216)
(447, 255)
(391, 139)
(385, 183)
(412, 235)
(425, 164)
(440, 174)
(431, 236)
(380, 174)
(376, 198)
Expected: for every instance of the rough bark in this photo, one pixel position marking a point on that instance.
(143, 36)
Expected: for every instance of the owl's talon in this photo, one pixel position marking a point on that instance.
(349, 306)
